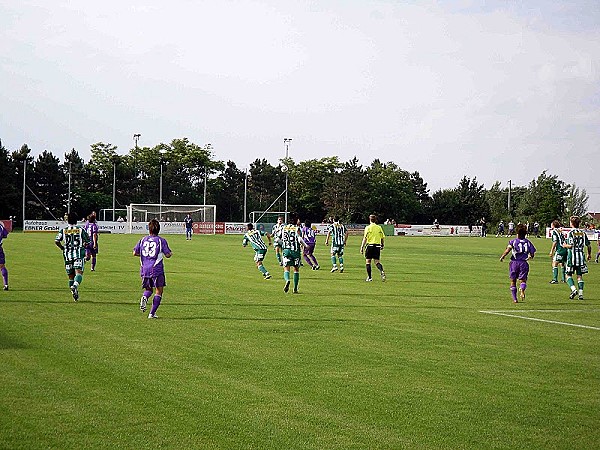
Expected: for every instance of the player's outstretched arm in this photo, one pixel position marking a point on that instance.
(506, 252)
(59, 245)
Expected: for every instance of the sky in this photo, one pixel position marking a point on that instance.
(497, 90)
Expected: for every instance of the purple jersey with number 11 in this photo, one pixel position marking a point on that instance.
(152, 250)
(521, 249)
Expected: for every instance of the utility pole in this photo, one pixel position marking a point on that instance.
(245, 195)
(24, 184)
(69, 195)
(286, 142)
(509, 189)
(114, 185)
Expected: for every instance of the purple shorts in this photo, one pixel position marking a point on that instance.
(2, 257)
(518, 270)
(309, 249)
(90, 251)
(154, 282)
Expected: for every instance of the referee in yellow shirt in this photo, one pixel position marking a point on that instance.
(371, 245)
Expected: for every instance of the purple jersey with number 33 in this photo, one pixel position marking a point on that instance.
(152, 250)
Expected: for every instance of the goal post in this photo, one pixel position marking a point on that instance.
(205, 215)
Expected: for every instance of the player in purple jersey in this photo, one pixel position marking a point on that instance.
(3, 269)
(91, 250)
(152, 249)
(598, 254)
(310, 239)
(522, 249)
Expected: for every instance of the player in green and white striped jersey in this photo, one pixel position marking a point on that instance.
(292, 243)
(339, 236)
(72, 240)
(276, 233)
(254, 237)
(576, 260)
(558, 252)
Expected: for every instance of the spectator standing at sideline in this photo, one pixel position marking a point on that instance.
(483, 224)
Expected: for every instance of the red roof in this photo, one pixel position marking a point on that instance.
(595, 215)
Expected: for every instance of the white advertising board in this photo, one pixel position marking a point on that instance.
(48, 226)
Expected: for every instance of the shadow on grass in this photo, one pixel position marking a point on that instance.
(262, 319)
(8, 342)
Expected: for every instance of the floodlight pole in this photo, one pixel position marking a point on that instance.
(160, 189)
(24, 184)
(245, 196)
(208, 148)
(114, 186)
(509, 189)
(69, 196)
(286, 142)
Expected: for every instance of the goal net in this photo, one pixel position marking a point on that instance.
(106, 214)
(171, 217)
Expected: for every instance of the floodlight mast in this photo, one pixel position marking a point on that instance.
(286, 142)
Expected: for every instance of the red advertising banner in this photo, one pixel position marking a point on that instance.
(207, 228)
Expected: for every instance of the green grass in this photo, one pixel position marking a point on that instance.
(233, 362)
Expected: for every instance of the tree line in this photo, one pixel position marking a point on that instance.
(317, 188)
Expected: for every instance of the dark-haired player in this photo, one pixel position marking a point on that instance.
(558, 252)
(72, 240)
(276, 233)
(522, 249)
(91, 250)
(339, 236)
(291, 243)
(254, 237)
(576, 260)
(188, 222)
(3, 269)
(310, 240)
(152, 249)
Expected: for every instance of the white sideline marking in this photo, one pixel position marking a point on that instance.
(500, 313)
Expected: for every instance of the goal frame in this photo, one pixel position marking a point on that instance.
(166, 208)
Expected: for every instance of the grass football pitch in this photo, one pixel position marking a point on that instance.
(436, 357)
